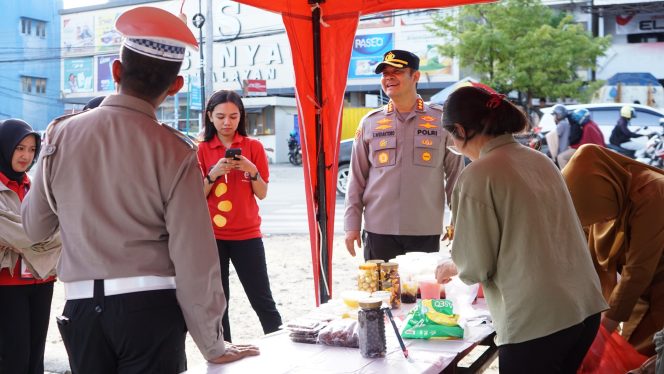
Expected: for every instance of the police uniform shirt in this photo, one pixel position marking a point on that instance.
(401, 172)
(129, 200)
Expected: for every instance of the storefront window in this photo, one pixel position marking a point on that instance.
(260, 121)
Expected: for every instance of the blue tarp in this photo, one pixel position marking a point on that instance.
(633, 79)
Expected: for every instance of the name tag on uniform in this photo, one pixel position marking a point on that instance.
(25, 272)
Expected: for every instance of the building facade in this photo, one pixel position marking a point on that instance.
(30, 62)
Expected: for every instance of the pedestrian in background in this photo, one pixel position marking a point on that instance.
(139, 264)
(620, 202)
(535, 269)
(26, 281)
(401, 173)
(231, 186)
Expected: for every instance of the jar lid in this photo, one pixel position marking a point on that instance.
(370, 303)
(390, 265)
(368, 265)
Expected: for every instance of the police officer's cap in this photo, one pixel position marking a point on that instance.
(155, 33)
(399, 59)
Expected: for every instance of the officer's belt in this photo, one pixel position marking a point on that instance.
(116, 286)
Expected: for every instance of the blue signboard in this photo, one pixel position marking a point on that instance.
(368, 51)
(195, 97)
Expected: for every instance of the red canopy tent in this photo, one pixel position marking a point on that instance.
(320, 57)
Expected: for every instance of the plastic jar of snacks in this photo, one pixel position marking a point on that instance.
(392, 282)
(367, 277)
(372, 329)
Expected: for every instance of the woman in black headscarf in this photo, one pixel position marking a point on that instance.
(26, 268)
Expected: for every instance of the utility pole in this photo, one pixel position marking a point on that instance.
(209, 50)
(198, 22)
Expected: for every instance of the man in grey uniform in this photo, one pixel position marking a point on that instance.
(139, 260)
(401, 171)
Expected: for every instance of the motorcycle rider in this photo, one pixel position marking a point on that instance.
(559, 113)
(591, 133)
(621, 134)
(294, 152)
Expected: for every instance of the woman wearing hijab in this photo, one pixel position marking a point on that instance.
(26, 281)
(620, 203)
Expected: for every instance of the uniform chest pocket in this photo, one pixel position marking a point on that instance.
(427, 150)
(383, 151)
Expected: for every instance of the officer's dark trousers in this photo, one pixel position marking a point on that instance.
(140, 332)
(386, 247)
(248, 257)
(24, 315)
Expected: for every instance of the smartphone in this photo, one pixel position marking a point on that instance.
(233, 153)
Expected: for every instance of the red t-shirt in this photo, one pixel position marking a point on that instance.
(591, 135)
(231, 201)
(6, 279)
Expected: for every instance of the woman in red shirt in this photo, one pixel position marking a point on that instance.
(25, 301)
(232, 186)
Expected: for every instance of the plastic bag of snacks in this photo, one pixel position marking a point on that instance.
(340, 333)
(305, 330)
(432, 319)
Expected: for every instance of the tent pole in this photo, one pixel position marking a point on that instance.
(321, 194)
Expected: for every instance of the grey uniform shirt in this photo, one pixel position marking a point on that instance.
(129, 200)
(401, 172)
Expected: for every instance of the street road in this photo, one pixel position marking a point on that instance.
(284, 210)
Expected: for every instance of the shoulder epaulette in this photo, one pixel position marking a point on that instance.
(374, 111)
(188, 141)
(436, 106)
(56, 121)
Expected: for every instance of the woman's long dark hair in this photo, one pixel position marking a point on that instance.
(220, 97)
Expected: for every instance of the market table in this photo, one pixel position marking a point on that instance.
(280, 355)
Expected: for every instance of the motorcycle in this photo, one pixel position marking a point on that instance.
(653, 153)
(294, 151)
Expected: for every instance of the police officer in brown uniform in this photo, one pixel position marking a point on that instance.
(139, 261)
(401, 170)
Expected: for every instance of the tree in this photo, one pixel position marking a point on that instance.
(522, 45)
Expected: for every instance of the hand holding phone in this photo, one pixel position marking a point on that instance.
(233, 153)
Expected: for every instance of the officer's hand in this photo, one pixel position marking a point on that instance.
(236, 352)
(445, 272)
(352, 237)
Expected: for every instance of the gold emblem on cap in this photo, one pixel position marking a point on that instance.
(383, 157)
(426, 156)
(389, 56)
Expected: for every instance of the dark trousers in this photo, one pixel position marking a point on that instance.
(560, 352)
(140, 332)
(248, 257)
(385, 247)
(24, 315)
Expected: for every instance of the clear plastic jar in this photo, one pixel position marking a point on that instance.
(372, 329)
(367, 277)
(391, 282)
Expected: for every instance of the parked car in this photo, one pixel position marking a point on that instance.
(345, 149)
(606, 115)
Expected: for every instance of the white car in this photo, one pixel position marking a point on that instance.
(606, 115)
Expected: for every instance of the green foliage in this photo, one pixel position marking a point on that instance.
(522, 45)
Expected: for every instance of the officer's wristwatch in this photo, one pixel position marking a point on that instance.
(210, 179)
(254, 177)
